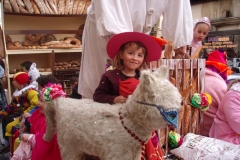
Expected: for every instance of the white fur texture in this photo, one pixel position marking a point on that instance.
(95, 128)
(34, 72)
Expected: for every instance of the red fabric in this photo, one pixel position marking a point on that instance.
(15, 136)
(42, 149)
(153, 49)
(218, 59)
(153, 153)
(21, 77)
(128, 86)
(217, 56)
(160, 41)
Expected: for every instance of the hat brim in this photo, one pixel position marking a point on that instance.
(154, 50)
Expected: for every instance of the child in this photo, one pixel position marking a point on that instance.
(31, 69)
(130, 50)
(24, 99)
(25, 66)
(215, 74)
(34, 141)
(43, 80)
(200, 31)
(74, 85)
(226, 123)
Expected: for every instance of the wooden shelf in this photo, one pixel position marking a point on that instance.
(17, 32)
(42, 73)
(45, 15)
(37, 51)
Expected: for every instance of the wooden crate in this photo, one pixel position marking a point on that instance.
(186, 73)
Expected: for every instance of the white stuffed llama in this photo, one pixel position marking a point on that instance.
(114, 132)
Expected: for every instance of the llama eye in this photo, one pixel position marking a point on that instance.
(172, 116)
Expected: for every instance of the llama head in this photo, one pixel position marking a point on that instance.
(156, 101)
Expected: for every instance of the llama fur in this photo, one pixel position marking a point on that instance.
(85, 126)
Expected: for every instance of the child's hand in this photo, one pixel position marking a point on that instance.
(26, 115)
(120, 99)
(24, 137)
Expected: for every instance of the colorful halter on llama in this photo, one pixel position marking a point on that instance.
(52, 91)
(170, 115)
(201, 101)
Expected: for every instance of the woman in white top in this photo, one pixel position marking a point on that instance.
(107, 17)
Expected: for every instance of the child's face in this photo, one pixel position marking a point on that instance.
(41, 104)
(200, 31)
(132, 57)
(16, 85)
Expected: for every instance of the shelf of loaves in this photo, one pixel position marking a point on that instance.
(37, 51)
(45, 15)
(42, 73)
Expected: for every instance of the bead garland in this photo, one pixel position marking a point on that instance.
(134, 136)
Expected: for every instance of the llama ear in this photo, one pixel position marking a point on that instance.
(145, 77)
(162, 72)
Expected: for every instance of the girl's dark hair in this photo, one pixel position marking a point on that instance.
(45, 79)
(26, 64)
(118, 62)
(73, 79)
(222, 74)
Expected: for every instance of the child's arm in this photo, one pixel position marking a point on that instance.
(33, 99)
(104, 92)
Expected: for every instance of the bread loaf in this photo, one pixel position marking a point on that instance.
(86, 7)
(55, 2)
(14, 6)
(187, 118)
(47, 38)
(8, 38)
(67, 42)
(28, 6)
(28, 43)
(61, 7)
(14, 45)
(53, 6)
(67, 5)
(70, 10)
(7, 6)
(22, 10)
(45, 7)
(40, 6)
(81, 6)
(75, 6)
(48, 7)
(35, 8)
(20, 3)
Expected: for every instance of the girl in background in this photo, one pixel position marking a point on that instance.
(200, 31)
(216, 72)
(227, 121)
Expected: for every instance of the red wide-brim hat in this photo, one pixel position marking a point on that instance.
(154, 50)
